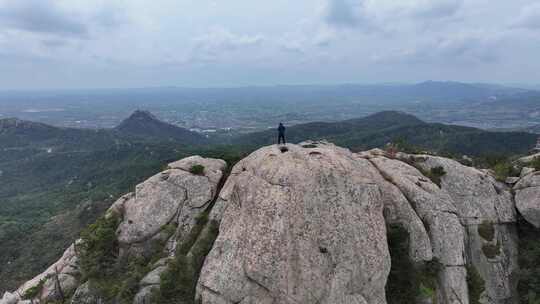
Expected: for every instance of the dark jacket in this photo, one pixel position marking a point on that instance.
(281, 129)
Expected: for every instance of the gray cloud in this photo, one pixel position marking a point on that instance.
(529, 17)
(341, 13)
(40, 17)
(185, 42)
(437, 8)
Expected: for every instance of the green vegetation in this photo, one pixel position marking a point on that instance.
(407, 281)
(535, 163)
(504, 170)
(49, 198)
(491, 251)
(113, 276)
(34, 291)
(435, 174)
(98, 249)
(197, 169)
(486, 230)
(529, 263)
(178, 282)
(475, 284)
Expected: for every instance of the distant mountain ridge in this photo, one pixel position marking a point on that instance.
(389, 126)
(140, 126)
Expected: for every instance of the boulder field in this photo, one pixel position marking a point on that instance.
(307, 223)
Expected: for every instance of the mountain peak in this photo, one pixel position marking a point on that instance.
(142, 115)
(144, 124)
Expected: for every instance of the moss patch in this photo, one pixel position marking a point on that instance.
(486, 230)
(34, 291)
(535, 163)
(407, 281)
(197, 169)
(115, 278)
(475, 284)
(178, 282)
(505, 169)
(491, 250)
(529, 262)
(435, 174)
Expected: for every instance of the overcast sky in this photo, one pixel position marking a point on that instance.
(203, 43)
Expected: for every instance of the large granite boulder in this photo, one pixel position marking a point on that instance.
(528, 197)
(173, 197)
(486, 209)
(436, 209)
(300, 225)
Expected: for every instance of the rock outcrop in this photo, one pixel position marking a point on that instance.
(308, 223)
(174, 197)
(481, 203)
(303, 225)
(528, 197)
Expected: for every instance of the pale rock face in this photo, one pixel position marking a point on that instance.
(148, 283)
(59, 277)
(303, 226)
(172, 196)
(84, 295)
(528, 159)
(479, 198)
(435, 207)
(528, 198)
(526, 171)
(9, 298)
(398, 210)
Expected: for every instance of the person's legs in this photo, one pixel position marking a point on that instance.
(281, 137)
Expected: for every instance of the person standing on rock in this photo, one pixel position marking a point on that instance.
(281, 133)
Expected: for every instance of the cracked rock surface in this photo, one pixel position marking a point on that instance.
(170, 196)
(528, 197)
(301, 226)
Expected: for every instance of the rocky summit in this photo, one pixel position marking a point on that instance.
(306, 223)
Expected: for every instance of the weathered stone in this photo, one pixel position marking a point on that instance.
(144, 296)
(526, 171)
(152, 278)
(64, 272)
(528, 198)
(9, 298)
(480, 199)
(512, 180)
(302, 226)
(172, 196)
(436, 209)
(398, 210)
(85, 295)
(528, 159)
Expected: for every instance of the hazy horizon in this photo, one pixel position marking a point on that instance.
(528, 86)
